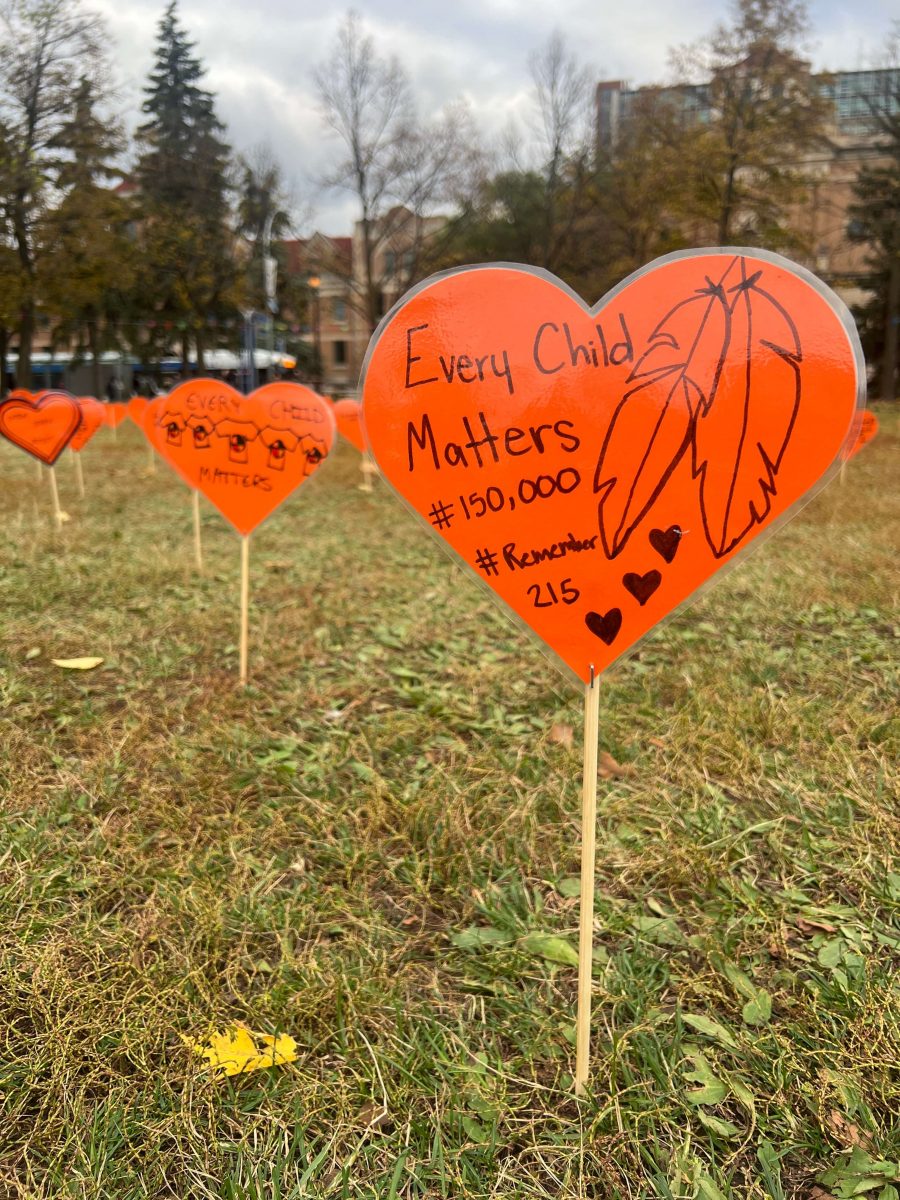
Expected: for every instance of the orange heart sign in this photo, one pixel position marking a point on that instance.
(595, 466)
(114, 414)
(865, 428)
(137, 406)
(42, 425)
(92, 419)
(348, 415)
(246, 454)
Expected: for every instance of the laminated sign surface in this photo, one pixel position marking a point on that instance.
(595, 466)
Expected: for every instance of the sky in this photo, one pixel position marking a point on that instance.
(260, 62)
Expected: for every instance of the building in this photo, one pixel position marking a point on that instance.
(850, 142)
(332, 272)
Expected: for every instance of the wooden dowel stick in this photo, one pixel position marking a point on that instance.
(54, 492)
(588, 868)
(79, 473)
(152, 460)
(198, 545)
(40, 472)
(115, 432)
(368, 469)
(245, 603)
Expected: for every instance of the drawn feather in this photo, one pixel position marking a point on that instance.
(674, 379)
(740, 440)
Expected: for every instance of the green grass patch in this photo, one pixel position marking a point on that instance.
(374, 848)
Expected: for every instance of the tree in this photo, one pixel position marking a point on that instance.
(765, 113)
(398, 167)
(562, 89)
(85, 269)
(48, 44)
(875, 221)
(187, 258)
(263, 221)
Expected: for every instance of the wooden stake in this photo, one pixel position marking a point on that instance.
(245, 603)
(368, 470)
(79, 473)
(40, 472)
(152, 461)
(54, 492)
(588, 870)
(198, 545)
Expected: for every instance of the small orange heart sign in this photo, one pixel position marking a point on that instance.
(42, 424)
(246, 454)
(114, 414)
(92, 418)
(865, 428)
(348, 415)
(595, 466)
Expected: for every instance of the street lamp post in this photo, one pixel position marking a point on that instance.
(315, 283)
(270, 279)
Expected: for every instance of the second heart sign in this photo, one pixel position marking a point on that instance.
(595, 466)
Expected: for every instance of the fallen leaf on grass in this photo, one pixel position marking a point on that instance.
(818, 1194)
(34, 652)
(77, 664)
(237, 1051)
(373, 1116)
(846, 1132)
(608, 768)
(563, 735)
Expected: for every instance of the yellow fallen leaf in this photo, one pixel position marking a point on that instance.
(77, 664)
(236, 1050)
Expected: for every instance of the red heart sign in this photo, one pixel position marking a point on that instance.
(246, 454)
(92, 418)
(42, 425)
(136, 407)
(348, 414)
(595, 466)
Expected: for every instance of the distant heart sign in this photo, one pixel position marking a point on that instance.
(246, 454)
(595, 466)
(347, 414)
(92, 419)
(42, 425)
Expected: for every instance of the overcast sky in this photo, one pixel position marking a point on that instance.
(260, 59)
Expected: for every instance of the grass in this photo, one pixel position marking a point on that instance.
(373, 849)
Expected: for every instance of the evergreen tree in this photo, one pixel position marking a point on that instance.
(187, 260)
(87, 255)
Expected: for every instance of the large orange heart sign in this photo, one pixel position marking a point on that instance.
(595, 466)
(43, 425)
(246, 454)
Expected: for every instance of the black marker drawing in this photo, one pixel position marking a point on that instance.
(642, 587)
(666, 541)
(606, 626)
(732, 325)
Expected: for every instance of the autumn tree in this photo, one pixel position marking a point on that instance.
(48, 45)
(398, 167)
(187, 251)
(86, 265)
(765, 113)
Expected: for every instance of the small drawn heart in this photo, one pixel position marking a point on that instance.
(642, 587)
(666, 541)
(605, 627)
